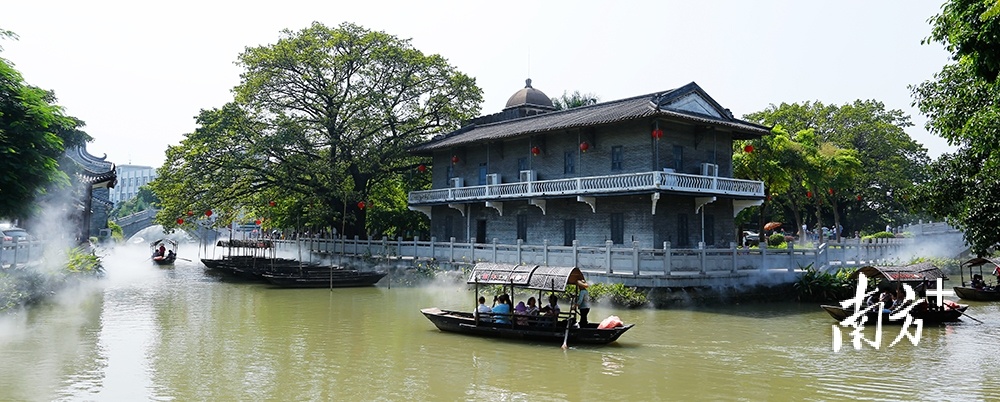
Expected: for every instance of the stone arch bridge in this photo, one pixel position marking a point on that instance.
(132, 224)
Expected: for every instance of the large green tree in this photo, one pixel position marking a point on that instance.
(962, 104)
(574, 100)
(320, 119)
(891, 161)
(34, 132)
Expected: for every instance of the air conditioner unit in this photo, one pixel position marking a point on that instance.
(493, 179)
(456, 182)
(528, 175)
(709, 169)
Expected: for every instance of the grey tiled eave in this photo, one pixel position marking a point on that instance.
(634, 108)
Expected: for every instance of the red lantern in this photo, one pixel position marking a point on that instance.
(535, 151)
(190, 213)
(809, 194)
(272, 203)
(180, 221)
(657, 133)
(748, 149)
(830, 190)
(859, 198)
(208, 212)
(421, 168)
(257, 222)
(584, 146)
(361, 205)
(454, 159)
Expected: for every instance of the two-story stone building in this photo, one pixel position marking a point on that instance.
(653, 168)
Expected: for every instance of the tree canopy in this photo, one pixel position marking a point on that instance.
(33, 135)
(320, 123)
(853, 161)
(962, 104)
(576, 99)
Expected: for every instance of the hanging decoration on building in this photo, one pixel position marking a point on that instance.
(535, 151)
(272, 203)
(421, 168)
(256, 222)
(180, 221)
(584, 146)
(454, 159)
(748, 149)
(361, 205)
(859, 197)
(830, 190)
(208, 213)
(190, 213)
(657, 133)
(809, 194)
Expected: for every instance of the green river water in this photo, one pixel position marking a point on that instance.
(176, 334)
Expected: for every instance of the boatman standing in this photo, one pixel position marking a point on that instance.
(582, 302)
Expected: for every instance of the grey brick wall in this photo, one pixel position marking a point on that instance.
(641, 154)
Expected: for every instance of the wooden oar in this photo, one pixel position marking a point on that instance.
(973, 318)
(179, 258)
(566, 335)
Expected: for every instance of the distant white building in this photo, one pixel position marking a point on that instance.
(130, 178)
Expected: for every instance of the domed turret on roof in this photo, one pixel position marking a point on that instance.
(530, 99)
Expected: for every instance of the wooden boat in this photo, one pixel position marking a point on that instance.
(323, 277)
(977, 289)
(919, 277)
(560, 329)
(929, 315)
(169, 254)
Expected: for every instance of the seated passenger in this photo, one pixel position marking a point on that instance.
(519, 311)
(502, 310)
(977, 282)
(482, 310)
(531, 308)
(553, 307)
(887, 299)
(171, 254)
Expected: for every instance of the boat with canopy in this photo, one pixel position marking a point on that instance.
(977, 289)
(920, 277)
(526, 280)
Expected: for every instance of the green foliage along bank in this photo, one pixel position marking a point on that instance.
(23, 286)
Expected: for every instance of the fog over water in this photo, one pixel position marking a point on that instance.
(158, 333)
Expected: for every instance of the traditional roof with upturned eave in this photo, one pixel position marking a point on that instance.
(688, 103)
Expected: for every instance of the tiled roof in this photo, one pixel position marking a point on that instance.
(638, 107)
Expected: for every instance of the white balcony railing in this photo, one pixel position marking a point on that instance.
(632, 182)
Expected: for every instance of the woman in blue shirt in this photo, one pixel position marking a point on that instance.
(502, 310)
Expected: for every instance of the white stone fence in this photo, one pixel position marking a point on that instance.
(620, 259)
(14, 254)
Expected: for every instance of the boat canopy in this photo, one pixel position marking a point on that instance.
(980, 261)
(910, 273)
(261, 243)
(525, 276)
(164, 242)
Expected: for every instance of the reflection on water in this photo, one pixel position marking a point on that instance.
(153, 333)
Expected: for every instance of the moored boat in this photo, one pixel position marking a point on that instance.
(977, 289)
(919, 277)
(556, 329)
(323, 277)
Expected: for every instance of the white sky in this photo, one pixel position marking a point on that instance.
(138, 72)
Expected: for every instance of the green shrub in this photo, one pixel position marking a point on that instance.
(879, 235)
(618, 295)
(775, 239)
(816, 286)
